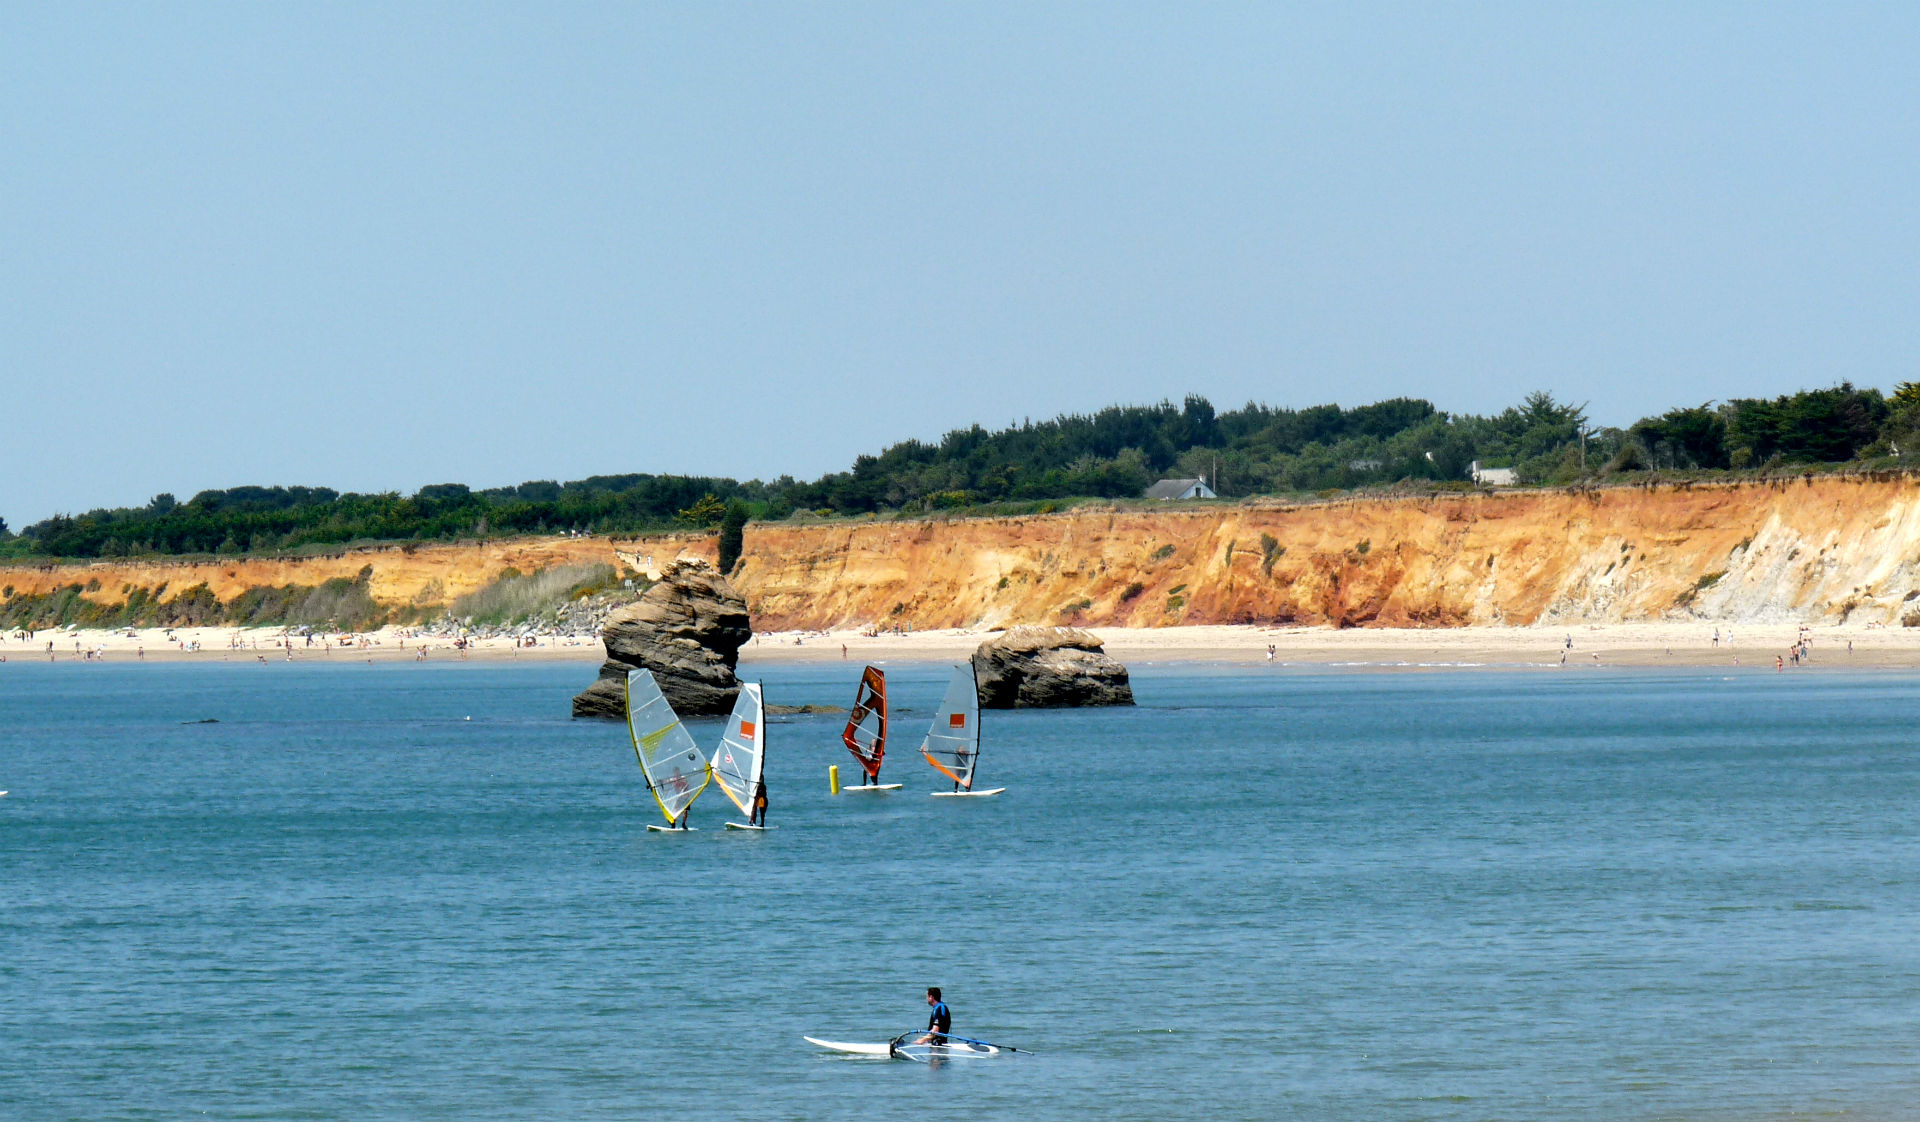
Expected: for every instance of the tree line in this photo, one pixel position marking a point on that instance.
(1115, 453)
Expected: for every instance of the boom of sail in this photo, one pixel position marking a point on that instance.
(953, 743)
(866, 735)
(742, 755)
(676, 772)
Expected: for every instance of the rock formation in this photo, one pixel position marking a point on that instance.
(1048, 668)
(688, 630)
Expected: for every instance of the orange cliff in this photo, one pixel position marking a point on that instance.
(1832, 549)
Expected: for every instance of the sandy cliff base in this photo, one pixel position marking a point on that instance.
(1631, 644)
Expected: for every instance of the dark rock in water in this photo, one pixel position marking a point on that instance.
(1048, 668)
(688, 629)
(803, 710)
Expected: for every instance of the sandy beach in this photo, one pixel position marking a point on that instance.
(1637, 644)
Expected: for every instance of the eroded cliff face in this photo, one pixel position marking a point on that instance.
(403, 575)
(1819, 550)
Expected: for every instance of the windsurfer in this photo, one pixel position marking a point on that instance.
(759, 815)
(939, 1021)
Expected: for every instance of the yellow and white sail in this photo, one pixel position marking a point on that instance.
(742, 756)
(676, 772)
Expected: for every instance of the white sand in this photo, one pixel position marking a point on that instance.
(1638, 644)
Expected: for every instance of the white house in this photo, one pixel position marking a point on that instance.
(1492, 477)
(1172, 489)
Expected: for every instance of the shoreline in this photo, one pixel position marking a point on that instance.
(1631, 644)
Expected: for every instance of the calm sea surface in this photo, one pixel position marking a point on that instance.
(1464, 894)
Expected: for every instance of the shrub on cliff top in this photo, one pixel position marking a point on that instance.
(513, 598)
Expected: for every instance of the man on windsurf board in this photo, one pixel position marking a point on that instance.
(939, 1021)
(759, 815)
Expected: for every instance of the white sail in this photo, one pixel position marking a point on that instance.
(676, 772)
(952, 745)
(742, 755)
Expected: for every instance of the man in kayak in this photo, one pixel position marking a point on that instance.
(940, 1021)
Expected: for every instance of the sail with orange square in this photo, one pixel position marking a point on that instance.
(952, 745)
(739, 764)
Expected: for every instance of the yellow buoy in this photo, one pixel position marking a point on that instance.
(833, 778)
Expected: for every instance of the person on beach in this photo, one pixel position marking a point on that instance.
(939, 1021)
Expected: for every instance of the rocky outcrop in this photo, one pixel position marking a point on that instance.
(1048, 668)
(688, 630)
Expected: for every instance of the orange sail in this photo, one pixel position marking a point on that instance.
(866, 735)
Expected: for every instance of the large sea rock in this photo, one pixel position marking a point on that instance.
(1048, 668)
(688, 629)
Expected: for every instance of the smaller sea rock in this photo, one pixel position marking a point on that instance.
(1048, 668)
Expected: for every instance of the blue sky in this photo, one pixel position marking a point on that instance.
(378, 246)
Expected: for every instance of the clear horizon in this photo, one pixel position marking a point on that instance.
(372, 248)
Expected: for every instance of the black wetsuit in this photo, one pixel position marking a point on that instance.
(940, 1020)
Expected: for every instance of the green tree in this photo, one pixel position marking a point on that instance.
(733, 525)
(1685, 438)
(706, 512)
(1830, 425)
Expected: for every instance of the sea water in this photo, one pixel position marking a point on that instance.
(410, 891)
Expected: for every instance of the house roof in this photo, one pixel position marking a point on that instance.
(1172, 488)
